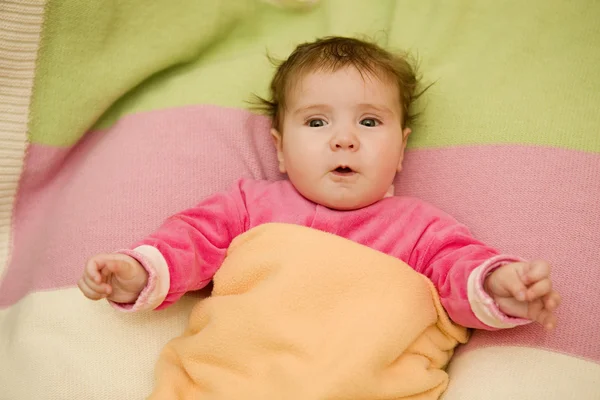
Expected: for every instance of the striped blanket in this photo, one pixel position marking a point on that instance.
(115, 114)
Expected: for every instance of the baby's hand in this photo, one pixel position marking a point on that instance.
(524, 290)
(118, 277)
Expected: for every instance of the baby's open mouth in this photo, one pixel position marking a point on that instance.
(343, 170)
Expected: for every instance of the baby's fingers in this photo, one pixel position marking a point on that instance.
(89, 292)
(552, 301)
(539, 289)
(103, 288)
(536, 271)
(506, 281)
(92, 270)
(547, 319)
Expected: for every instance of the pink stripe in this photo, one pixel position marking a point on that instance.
(534, 202)
(119, 184)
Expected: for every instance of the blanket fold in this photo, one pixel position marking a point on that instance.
(297, 313)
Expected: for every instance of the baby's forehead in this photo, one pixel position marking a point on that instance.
(321, 81)
(374, 76)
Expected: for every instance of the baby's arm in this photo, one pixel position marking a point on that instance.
(185, 252)
(461, 268)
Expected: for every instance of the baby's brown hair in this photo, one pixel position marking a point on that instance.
(333, 53)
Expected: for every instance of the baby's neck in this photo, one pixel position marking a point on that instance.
(389, 193)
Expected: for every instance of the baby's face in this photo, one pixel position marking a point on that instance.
(342, 141)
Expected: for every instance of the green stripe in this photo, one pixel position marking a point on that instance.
(94, 52)
(505, 72)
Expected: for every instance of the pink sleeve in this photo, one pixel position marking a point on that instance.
(458, 264)
(186, 251)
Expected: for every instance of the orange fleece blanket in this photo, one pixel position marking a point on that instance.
(297, 313)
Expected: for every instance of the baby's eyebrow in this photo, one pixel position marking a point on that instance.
(312, 107)
(377, 107)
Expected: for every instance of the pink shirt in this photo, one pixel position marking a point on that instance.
(187, 250)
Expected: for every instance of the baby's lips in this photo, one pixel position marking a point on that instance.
(344, 168)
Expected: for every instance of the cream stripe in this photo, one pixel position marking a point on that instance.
(21, 24)
(85, 337)
(523, 373)
(59, 345)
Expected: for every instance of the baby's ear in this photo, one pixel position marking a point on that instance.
(390, 192)
(405, 134)
(278, 141)
(276, 138)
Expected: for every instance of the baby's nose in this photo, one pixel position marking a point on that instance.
(344, 144)
(346, 141)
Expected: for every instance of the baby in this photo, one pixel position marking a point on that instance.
(341, 113)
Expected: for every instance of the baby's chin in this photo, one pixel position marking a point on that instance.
(347, 203)
(343, 198)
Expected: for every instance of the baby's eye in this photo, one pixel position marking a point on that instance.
(316, 123)
(370, 122)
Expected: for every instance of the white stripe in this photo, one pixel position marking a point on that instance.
(521, 373)
(60, 345)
